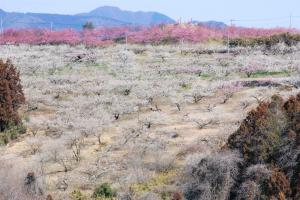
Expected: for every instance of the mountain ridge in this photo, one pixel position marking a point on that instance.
(104, 16)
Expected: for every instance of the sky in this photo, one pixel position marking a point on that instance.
(250, 13)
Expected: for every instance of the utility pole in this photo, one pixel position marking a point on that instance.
(51, 26)
(1, 25)
(291, 16)
(126, 40)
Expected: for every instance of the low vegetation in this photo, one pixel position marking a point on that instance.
(104, 191)
(263, 157)
(155, 35)
(11, 97)
(267, 41)
(149, 122)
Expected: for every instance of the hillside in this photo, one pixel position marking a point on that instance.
(127, 17)
(101, 17)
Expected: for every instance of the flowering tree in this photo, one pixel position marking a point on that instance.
(170, 33)
(228, 90)
(250, 69)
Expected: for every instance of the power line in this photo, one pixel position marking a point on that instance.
(261, 20)
(288, 19)
(248, 24)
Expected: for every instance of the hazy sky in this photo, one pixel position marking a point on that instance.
(264, 13)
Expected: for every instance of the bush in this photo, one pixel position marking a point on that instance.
(11, 95)
(295, 181)
(11, 133)
(212, 176)
(269, 142)
(266, 41)
(264, 182)
(104, 191)
(177, 196)
(253, 177)
(88, 26)
(77, 195)
(271, 135)
(259, 134)
(277, 186)
(168, 40)
(268, 131)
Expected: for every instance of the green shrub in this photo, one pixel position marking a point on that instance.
(120, 40)
(169, 40)
(88, 26)
(267, 41)
(77, 195)
(104, 190)
(11, 133)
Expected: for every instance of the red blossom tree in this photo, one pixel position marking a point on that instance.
(145, 35)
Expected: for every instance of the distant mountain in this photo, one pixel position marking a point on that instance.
(2, 12)
(128, 17)
(101, 17)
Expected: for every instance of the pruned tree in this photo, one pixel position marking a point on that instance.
(211, 176)
(203, 124)
(228, 90)
(251, 69)
(199, 92)
(76, 145)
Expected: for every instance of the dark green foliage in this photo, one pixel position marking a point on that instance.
(11, 133)
(120, 40)
(169, 40)
(267, 41)
(104, 190)
(77, 195)
(88, 26)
